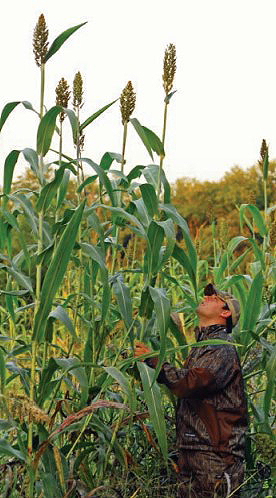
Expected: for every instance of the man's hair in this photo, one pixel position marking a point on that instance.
(229, 324)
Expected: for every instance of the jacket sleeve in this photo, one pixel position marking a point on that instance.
(214, 368)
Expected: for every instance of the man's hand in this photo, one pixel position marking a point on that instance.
(140, 349)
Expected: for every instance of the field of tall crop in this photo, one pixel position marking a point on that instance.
(89, 264)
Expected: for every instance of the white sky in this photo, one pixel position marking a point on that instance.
(226, 89)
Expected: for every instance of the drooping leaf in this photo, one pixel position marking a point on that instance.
(49, 191)
(59, 41)
(182, 258)
(63, 188)
(7, 450)
(142, 134)
(32, 158)
(270, 386)
(122, 294)
(19, 276)
(46, 130)
(8, 108)
(151, 173)
(168, 228)
(162, 308)
(9, 166)
(95, 115)
(103, 179)
(154, 142)
(125, 385)
(55, 272)
(11, 219)
(257, 217)
(233, 243)
(154, 404)
(78, 372)
(151, 259)
(150, 198)
(252, 307)
(60, 314)
(22, 200)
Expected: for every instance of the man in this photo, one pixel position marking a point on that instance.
(211, 415)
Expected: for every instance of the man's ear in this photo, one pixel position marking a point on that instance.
(225, 314)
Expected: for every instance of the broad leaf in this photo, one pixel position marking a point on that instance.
(125, 385)
(142, 134)
(9, 166)
(150, 198)
(257, 217)
(154, 404)
(55, 273)
(59, 41)
(95, 115)
(162, 310)
(122, 294)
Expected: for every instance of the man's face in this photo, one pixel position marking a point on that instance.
(211, 307)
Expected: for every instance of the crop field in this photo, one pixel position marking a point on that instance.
(90, 264)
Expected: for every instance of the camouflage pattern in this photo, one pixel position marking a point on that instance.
(206, 474)
(211, 414)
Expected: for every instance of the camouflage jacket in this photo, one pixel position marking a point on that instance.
(211, 409)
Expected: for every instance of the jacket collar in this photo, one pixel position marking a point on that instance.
(202, 333)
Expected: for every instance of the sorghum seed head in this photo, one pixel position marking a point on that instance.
(77, 90)
(273, 234)
(127, 102)
(169, 67)
(40, 41)
(263, 152)
(62, 96)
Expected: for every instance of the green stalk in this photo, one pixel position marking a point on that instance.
(38, 269)
(120, 197)
(163, 142)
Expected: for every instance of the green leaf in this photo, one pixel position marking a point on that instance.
(150, 198)
(168, 228)
(122, 294)
(63, 189)
(73, 121)
(125, 385)
(154, 404)
(97, 255)
(108, 159)
(151, 173)
(95, 115)
(88, 180)
(154, 142)
(9, 166)
(257, 253)
(142, 134)
(257, 217)
(58, 42)
(60, 314)
(46, 130)
(55, 272)
(270, 386)
(136, 172)
(172, 213)
(20, 278)
(141, 211)
(183, 259)
(28, 209)
(233, 244)
(49, 191)
(7, 450)
(252, 307)
(2, 372)
(32, 158)
(151, 259)
(219, 271)
(121, 213)
(11, 219)
(103, 179)
(162, 308)
(8, 108)
(78, 372)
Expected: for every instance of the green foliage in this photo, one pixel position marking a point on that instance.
(89, 265)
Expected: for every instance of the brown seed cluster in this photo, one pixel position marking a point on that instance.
(77, 91)
(169, 67)
(263, 153)
(22, 408)
(62, 96)
(40, 41)
(127, 102)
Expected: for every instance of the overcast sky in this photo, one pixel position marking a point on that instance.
(225, 81)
